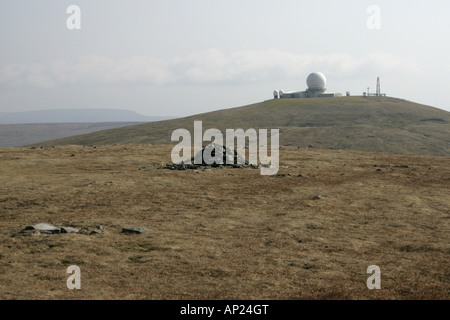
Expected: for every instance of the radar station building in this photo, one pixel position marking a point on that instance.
(316, 83)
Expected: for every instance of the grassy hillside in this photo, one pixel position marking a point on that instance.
(381, 124)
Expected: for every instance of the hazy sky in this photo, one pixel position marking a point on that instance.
(182, 57)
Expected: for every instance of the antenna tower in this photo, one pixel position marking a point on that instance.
(378, 87)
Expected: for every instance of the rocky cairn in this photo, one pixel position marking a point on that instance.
(209, 153)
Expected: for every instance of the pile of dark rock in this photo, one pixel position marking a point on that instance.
(208, 153)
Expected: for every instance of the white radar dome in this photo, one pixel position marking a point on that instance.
(316, 81)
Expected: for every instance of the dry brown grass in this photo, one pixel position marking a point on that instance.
(224, 233)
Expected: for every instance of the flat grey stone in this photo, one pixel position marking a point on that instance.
(134, 229)
(43, 228)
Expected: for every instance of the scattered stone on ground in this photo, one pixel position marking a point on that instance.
(69, 230)
(92, 230)
(184, 166)
(45, 228)
(283, 175)
(135, 229)
(318, 197)
(145, 168)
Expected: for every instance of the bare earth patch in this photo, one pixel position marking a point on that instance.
(224, 233)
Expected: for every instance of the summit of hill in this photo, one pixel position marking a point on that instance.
(374, 124)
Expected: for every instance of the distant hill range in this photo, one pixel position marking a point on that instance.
(380, 124)
(24, 128)
(75, 115)
(16, 135)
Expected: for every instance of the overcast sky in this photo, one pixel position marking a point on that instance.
(182, 57)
